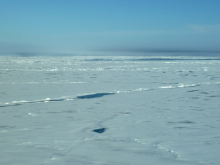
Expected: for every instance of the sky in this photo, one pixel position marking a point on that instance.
(88, 26)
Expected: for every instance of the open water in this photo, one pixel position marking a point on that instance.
(109, 110)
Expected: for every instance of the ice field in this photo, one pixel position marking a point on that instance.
(109, 110)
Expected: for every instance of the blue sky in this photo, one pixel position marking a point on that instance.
(74, 26)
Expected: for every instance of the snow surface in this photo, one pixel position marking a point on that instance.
(109, 110)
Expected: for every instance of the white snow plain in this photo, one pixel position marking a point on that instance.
(145, 110)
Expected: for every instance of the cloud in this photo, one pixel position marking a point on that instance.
(19, 49)
(205, 28)
(125, 33)
(160, 50)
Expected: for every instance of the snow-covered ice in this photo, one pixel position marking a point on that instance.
(109, 110)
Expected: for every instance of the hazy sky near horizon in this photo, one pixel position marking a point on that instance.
(69, 26)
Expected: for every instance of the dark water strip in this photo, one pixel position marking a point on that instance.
(89, 96)
(100, 130)
(152, 59)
